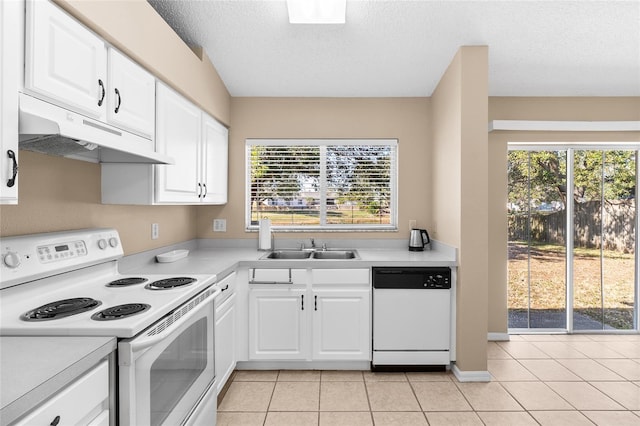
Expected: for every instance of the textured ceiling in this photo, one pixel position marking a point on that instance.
(402, 48)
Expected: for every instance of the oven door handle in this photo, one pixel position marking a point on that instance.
(143, 343)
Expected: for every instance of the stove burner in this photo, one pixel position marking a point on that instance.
(61, 309)
(124, 282)
(170, 283)
(120, 311)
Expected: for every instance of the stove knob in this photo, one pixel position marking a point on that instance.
(113, 242)
(12, 259)
(102, 244)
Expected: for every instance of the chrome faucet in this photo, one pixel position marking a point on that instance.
(313, 243)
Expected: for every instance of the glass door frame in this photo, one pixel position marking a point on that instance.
(570, 148)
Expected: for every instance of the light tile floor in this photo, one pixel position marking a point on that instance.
(536, 379)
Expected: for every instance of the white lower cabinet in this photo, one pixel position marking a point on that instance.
(225, 333)
(328, 319)
(277, 324)
(83, 402)
(341, 328)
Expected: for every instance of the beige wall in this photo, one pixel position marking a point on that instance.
(516, 108)
(406, 119)
(59, 194)
(460, 201)
(157, 47)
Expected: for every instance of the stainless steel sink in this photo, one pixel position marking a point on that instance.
(288, 254)
(310, 254)
(335, 254)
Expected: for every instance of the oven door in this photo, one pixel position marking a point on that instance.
(165, 371)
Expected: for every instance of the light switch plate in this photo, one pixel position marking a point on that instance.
(219, 225)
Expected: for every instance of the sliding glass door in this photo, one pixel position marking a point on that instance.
(604, 215)
(537, 239)
(584, 280)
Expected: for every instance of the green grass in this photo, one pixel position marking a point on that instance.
(312, 217)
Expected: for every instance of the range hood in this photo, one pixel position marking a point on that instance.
(51, 129)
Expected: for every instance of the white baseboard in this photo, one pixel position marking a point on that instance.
(498, 337)
(471, 376)
(303, 365)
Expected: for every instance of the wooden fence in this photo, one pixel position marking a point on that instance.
(618, 227)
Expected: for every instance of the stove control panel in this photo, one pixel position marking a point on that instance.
(57, 252)
(29, 257)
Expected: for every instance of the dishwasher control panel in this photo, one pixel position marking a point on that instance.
(412, 277)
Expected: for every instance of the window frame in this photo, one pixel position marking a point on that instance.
(393, 185)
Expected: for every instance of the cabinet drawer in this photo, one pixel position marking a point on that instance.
(228, 287)
(79, 403)
(277, 276)
(340, 276)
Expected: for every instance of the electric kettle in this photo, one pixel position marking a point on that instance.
(418, 239)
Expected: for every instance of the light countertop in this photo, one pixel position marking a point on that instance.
(206, 259)
(34, 368)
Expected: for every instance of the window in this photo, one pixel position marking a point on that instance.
(317, 184)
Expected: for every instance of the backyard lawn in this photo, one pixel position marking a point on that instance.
(338, 215)
(548, 276)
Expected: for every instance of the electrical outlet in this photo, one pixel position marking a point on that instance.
(412, 224)
(219, 225)
(155, 231)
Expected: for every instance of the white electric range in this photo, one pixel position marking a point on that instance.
(68, 284)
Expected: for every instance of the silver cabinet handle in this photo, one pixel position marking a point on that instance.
(254, 281)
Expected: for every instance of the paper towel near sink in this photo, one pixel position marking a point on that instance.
(264, 235)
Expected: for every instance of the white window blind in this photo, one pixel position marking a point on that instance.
(322, 184)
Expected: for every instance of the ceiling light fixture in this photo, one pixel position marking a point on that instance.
(317, 11)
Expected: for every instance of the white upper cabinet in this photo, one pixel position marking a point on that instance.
(9, 36)
(69, 65)
(178, 135)
(214, 161)
(131, 96)
(65, 62)
(199, 147)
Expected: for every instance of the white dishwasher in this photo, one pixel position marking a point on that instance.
(411, 316)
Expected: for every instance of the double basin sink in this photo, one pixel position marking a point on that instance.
(312, 254)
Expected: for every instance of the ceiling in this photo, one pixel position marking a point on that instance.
(398, 48)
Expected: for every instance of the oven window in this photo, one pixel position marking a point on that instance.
(176, 369)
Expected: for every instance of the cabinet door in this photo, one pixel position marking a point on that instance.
(225, 338)
(9, 34)
(214, 163)
(277, 324)
(341, 324)
(131, 94)
(64, 62)
(177, 135)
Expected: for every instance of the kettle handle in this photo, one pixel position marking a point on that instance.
(425, 237)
